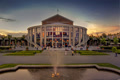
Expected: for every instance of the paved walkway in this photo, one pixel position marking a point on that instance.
(58, 57)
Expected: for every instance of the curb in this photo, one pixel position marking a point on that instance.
(61, 66)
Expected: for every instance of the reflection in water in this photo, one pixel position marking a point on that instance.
(64, 74)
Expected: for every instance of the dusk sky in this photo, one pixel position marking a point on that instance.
(97, 16)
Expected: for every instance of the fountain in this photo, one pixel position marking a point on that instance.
(56, 60)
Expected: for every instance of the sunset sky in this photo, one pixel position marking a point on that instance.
(98, 16)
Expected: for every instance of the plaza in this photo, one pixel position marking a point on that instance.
(44, 58)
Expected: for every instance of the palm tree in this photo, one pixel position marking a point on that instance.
(91, 40)
(109, 41)
(98, 40)
(15, 40)
(103, 41)
(104, 35)
(9, 39)
(3, 41)
(23, 39)
(115, 40)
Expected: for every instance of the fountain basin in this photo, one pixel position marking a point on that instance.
(66, 72)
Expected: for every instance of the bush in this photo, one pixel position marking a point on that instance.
(5, 47)
(24, 53)
(87, 52)
(27, 48)
(114, 49)
(108, 47)
(118, 51)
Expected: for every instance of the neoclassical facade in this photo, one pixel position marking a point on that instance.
(57, 31)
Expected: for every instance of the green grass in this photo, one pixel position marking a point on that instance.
(118, 51)
(5, 47)
(87, 52)
(24, 53)
(108, 47)
(13, 65)
(0, 50)
(99, 64)
(7, 65)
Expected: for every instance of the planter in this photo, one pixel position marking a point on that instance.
(26, 48)
(10, 48)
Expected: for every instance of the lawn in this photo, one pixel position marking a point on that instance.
(118, 51)
(5, 47)
(87, 52)
(13, 65)
(24, 53)
(99, 64)
(108, 47)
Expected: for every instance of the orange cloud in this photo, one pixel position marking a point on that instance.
(99, 29)
(13, 33)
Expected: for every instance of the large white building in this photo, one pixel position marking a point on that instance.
(57, 31)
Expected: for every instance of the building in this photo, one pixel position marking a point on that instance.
(57, 31)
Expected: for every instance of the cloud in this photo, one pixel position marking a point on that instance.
(97, 29)
(7, 19)
(13, 33)
(115, 28)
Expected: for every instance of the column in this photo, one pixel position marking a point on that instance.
(79, 36)
(45, 36)
(73, 36)
(69, 35)
(35, 36)
(31, 32)
(41, 36)
(52, 36)
(62, 36)
(28, 37)
(83, 35)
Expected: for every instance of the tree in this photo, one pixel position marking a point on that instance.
(115, 40)
(15, 40)
(91, 40)
(98, 40)
(104, 35)
(3, 41)
(109, 41)
(114, 49)
(9, 39)
(23, 40)
(103, 41)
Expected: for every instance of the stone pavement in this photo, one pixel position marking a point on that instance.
(53, 56)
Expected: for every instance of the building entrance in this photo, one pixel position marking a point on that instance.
(57, 45)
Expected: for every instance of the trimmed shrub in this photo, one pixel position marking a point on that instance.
(108, 47)
(114, 49)
(5, 47)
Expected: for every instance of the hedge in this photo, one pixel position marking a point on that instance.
(4, 47)
(118, 51)
(108, 47)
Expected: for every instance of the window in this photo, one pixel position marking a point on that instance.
(65, 34)
(57, 34)
(65, 28)
(49, 28)
(48, 34)
(76, 29)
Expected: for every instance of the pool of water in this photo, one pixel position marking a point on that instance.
(64, 74)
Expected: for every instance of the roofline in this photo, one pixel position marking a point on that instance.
(54, 25)
(55, 15)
